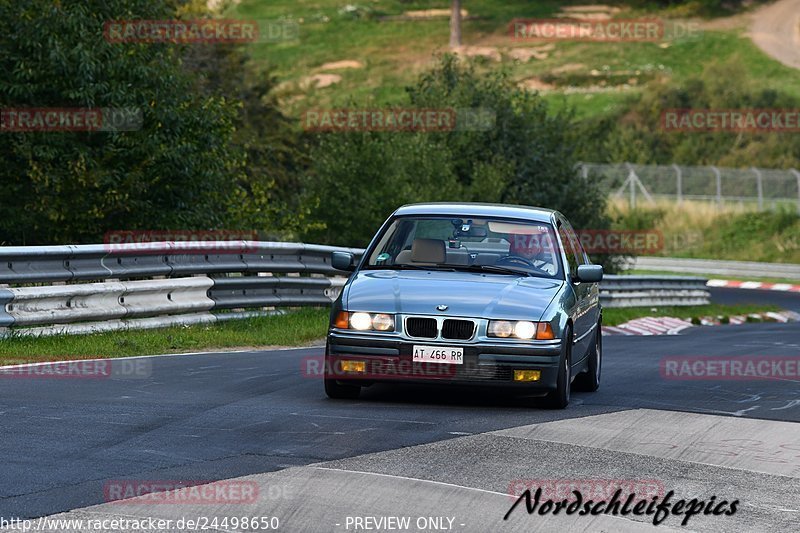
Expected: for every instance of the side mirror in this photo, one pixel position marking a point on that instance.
(342, 261)
(590, 273)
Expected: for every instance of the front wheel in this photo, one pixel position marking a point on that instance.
(341, 391)
(559, 398)
(336, 389)
(589, 381)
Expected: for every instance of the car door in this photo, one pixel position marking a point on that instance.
(593, 296)
(583, 319)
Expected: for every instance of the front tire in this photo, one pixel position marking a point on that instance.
(336, 389)
(341, 391)
(589, 381)
(559, 398)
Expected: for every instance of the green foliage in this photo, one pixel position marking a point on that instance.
(692, 7)
(359, 179)
(295, 328)
(639, 219)
(699, 230)
(614, 316)
(527, 158)
(179, 171)
(636, 134)
(772, 237)
(267, 196)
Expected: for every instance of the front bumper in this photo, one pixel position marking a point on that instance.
(389, 359)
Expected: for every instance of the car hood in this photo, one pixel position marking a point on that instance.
(467, 294)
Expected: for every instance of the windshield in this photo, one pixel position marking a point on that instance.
(494, 246)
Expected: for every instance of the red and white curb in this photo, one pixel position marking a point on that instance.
(673, 326)
(734, 284)
(664, 325)
(770, 316)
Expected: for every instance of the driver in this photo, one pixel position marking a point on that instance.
(529, 245)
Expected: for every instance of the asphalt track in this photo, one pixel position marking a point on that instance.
(409, 450)
(785, 300)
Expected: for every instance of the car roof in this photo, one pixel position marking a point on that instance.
(476, 209)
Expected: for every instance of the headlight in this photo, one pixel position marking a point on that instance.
(501, 328)
(364, 321)
(382, 322)
(360, 321)
(524, 329)
(520, 329)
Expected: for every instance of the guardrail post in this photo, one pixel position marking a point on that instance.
(718, 177)
(797, 175)
(632, 184)
(760, 187)
(678, 182)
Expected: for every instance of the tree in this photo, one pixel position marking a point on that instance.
(527, 157)
(179, 171)
(268, 190)
(455, 24)
(636, 133)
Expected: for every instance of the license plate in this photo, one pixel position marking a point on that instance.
(439, 354)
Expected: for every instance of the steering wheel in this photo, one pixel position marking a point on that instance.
(515, 259)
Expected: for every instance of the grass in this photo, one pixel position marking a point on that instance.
(292, 329)
(703, 231)
(641, 272)
(394, 52)
(617, 316)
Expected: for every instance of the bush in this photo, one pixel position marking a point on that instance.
(179, 171)
(527, 158)
(266, 196)
(636, 135)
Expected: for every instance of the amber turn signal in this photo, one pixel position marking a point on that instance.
(342, 320)
(544, 331)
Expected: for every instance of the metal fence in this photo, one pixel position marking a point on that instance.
(46, 290)
(756, 188)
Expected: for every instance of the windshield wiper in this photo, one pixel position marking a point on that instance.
(406, 266)
(495, 268)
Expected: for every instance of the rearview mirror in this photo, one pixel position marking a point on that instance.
(342, 261)
(589, 273)
(473, 231)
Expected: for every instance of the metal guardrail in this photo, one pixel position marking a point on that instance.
(43, 264)
(747, 269)
(640, 291)
(192, 280)
(46, 290)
